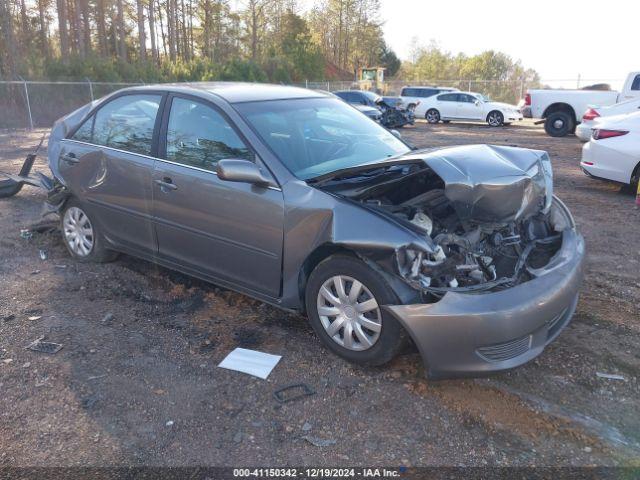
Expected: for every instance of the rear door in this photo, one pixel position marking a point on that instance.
(447, 105)
(107, 163)
(228, 230)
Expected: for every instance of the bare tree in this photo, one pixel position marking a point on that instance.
(152, 30)
(120, 30)
(142, 38)
(62, 29)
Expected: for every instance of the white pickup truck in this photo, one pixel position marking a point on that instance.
(561, 110)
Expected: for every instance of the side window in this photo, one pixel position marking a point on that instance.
(126, 123)
(85, 132)
(448, 97)
(636, 83)
(198, 136)
(427, 92)
(466, 98)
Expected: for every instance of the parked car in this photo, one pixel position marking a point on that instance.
(613, 152)
(293, 197)
(359, 97)
(594, 114)
(417, 96)
(561, 109)
(469, 106)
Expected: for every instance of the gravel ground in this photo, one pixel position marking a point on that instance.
(136, 382)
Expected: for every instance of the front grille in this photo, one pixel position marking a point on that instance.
(505, 351)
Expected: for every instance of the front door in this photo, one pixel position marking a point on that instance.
(107, 164)
(227, 230)
(467, 107)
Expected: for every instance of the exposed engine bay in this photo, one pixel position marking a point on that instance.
(488, 229)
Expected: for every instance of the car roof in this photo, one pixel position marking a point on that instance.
(236, 92)
(431, 87)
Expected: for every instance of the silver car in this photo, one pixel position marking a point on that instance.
(292, 197)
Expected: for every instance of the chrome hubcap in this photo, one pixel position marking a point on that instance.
(349, 313)
(432, 117)
(558, 124)
(78, 232)
(494, 119)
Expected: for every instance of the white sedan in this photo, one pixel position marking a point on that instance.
(469, 106)
(594, 115)
(613, 153)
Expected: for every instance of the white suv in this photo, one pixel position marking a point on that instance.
(417, 95)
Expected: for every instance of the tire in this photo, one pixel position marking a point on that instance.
(559, 124)
(432, 116)
(390, 337)
(90, 245)
(495, 118)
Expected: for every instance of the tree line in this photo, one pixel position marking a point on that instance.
(162, 40)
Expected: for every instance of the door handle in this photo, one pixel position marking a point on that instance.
(166, 184)
(70, 158)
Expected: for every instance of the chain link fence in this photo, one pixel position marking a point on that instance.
(34, 104)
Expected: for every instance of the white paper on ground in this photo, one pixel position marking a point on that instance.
(252, 362)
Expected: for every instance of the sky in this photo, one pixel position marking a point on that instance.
(561, 39)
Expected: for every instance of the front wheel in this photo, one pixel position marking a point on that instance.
(495, 119)
(343, 299)
(432, 116)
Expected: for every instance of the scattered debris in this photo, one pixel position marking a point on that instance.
(26, 234)
(611, 376)
(7, 361)
(35, 272)
(60, 266)
(295, 391)
(169, 423)
(306, 427)
(44, 347)
(107, 318)
(43, 255)
(89, 401)
(237, 438)
(258, 364)
(95, 377)
(26, 365)
(319, 442)
(35, 317)
(587, 449)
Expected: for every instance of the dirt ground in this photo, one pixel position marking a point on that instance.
(136, 382)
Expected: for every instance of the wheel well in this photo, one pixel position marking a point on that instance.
(312, 261)
(636, 173)
(560, 107)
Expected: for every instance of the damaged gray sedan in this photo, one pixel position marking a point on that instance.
(295, 198)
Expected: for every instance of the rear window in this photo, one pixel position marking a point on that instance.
(636, 83)
(125, 123)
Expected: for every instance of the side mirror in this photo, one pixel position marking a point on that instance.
(236, 170)
(395, 133)
(477, 103)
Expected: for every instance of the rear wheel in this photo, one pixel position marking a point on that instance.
(82, 236)
(559, 124)
(432, 116)
(495, 119)
(343, 299)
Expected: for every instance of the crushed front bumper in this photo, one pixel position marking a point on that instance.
(470, 334)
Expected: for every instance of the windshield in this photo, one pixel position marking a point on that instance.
(316, 136)
(484, 98)
(371, 96)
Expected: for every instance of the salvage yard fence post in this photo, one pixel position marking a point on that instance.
(90, 88)
(26, 97)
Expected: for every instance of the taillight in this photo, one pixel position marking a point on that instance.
(590, 114)
(527, 99)
(600, 134)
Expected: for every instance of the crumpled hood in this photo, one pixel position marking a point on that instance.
(494, 184)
